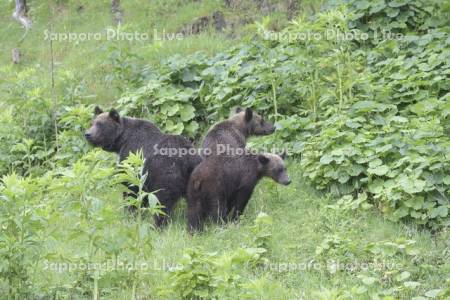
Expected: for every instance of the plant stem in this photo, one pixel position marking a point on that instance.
(274, 99)
(340, 87)
(52, 66)
(95, 296)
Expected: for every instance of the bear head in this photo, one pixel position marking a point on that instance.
(106, 129)
(272, 165)
(253, 123)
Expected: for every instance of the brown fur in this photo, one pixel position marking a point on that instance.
(167, 175)
(221, 186)
(234, 131)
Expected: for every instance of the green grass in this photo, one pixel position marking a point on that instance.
(88, 61)
(302, 220)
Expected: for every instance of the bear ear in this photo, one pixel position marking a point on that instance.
(263, 159)
(248, 114)
(97, 110)
(113, 114)
(238, 109)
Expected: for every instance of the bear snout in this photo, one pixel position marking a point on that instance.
(285, 180)
(268, 128)
(88, 137)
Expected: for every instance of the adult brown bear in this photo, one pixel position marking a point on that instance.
(232, 133)
(167, 174)
(221, 186)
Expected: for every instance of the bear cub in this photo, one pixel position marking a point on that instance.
(221, 186)
(168, 175)
(234, 131)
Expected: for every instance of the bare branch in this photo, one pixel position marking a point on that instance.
(20, 14)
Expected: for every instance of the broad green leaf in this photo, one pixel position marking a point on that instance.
(412, 185)
(411, 284)
(440, 211)
(367, 280)
(401, 212)
(392, 12)
(187, 113)
(355, 170)
(326, 159)
(433, 293)
(447, 180)
(414, 202)
(192, 127)
(403, 276)
(375, 163)
(384, 148)
(376, 186)
(380, 170)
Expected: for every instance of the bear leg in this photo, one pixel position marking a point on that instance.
(195, 216)
(218, 210)
(168, 201)
(240, 202)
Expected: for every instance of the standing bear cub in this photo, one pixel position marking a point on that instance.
(233, 132)
(221, 186)
(168, 175)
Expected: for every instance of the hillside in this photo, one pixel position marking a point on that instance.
(359, 95)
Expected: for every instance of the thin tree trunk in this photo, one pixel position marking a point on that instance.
(20, 14)
(292, 8)
(117, 12)
(53, 94)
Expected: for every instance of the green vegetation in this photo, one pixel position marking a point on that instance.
(310, 246)
(365, 120)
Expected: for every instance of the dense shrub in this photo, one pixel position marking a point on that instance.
(10, 134)
(395, 16)
(365, 116)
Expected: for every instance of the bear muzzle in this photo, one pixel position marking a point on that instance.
(284, 180)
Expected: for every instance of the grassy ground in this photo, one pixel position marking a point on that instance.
(89, 61)
(302, 222)
(310, 235)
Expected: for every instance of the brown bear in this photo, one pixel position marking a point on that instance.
(233, 132)
(167, 174)
(221, 186)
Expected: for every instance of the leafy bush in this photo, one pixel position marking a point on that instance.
(39, 130)
(397, 16)
(20, 238)
(394, 144)
(10, 134)
(72, 124)
(167, 104)
(365, 117)
(212, 275)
